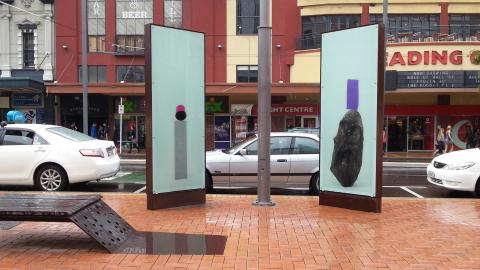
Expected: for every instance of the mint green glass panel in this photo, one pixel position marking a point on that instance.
(178, 154)
(349, 55)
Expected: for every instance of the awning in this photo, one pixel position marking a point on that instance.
(21, 85)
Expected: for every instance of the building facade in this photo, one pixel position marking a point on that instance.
(432, 79)
(27, 58)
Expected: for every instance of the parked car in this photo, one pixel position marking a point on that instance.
(51, 157)
(459, 170)
(294, 163)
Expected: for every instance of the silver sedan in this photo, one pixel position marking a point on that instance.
(294, 163)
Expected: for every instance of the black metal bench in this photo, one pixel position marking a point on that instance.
(88, 212)
(104, 225)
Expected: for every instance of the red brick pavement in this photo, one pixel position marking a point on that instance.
(296, 234)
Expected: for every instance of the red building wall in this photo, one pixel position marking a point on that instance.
(207, 16)
(286, 28)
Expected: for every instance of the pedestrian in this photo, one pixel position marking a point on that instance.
(93, 131)
(440, 141)
(384, 141)
(73, 126)
(448, 140)
(470, 137)
(116, 138)
(132, 138)
(477, 138)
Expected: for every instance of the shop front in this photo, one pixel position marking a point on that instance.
(71, 106)
(132, 130)
(414, 128)
(243, 119)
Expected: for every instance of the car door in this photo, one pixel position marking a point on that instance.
(304, 161)
(244, 168)
(20, 151)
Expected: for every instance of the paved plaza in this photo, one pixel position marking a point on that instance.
(295, 234)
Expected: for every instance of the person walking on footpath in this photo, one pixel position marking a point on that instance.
(477, 138)
(470, 137)
(440, 145)
(448, 140)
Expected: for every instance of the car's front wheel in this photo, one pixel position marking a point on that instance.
(315, 184)
(51, 178)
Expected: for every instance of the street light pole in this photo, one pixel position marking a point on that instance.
(264, 105)
(84, 67)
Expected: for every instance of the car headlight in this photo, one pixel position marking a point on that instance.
(459, 166)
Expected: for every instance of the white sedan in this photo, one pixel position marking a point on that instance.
(294, 163)
(51, 157)
(458, 170)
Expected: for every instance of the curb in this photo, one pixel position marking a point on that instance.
(385, 164)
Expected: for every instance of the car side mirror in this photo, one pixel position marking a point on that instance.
(242, 152)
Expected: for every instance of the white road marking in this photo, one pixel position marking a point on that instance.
(404, 186)
(118, 175)
(407, 175)
(140, 190)
(411, 192)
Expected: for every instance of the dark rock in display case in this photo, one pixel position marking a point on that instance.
(348, 149)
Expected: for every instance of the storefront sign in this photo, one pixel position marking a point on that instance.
(427, 58)
(291, 109)
(430, 79)
(134, 15)
(241, 109)
(216, 104)
(27, 100)
(472, 79)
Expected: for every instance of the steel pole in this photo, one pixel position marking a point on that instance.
(385, 23)
(264, 105)
(84, 67)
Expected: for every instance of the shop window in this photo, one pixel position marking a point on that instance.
(173, 13)
(131, 74)
(248, 17)
(131, 17)
(96, 74)
(96, 25)
(247, 74)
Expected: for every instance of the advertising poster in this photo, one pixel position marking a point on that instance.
(222, 132)
(177, 109)
(348, 145)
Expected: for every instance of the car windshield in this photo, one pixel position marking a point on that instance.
(239, 145)
(70, 134)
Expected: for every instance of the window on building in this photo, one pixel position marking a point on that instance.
(96, 74)
(314, 26)
(28, 50)
(173, 13)
(466, 26)
(96, 25)
(248, 17)
(28, 44)
(131, 74)
(247, 74)
(427, 25)
(132, 15)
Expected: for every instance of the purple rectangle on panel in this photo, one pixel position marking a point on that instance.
(352, 94)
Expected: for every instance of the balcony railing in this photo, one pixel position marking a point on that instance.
(456, 33)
